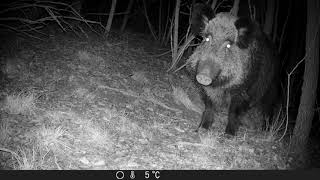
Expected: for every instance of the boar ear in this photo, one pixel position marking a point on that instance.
(200, 17)
(246, 32)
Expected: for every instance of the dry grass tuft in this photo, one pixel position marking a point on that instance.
(4, 132)
(84, 93)
(50, 138)
(26, 159)
(84, 56)
(275, 127)
(120, 126)
(23, 103)
(89, 59)
(210, 139)
(13, 67)
(140, 77)
(98, 136)
(125, 126)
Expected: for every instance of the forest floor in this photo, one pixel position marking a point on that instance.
(96, 103)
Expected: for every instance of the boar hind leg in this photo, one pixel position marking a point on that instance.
(237, 107)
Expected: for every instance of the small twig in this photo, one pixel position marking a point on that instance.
(107, 14)
(288, 95)
(180, 52)
(8, 151)
(173, 118)
(193, 144)
(16, 30)
(55, 161)
(150, 99)
(15, 155)
(218, 6)
(179, 68)
(52, 8)
(158, 55)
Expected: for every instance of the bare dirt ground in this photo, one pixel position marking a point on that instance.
(96, 103)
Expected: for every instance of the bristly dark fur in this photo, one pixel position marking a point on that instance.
(248, 28)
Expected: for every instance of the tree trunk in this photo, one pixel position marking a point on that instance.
(235, 8)
(268, 23)
(282, 36)
(110, 18)
(160, 19)
(175, 35)
(309, 87)
(126, 17)
(148, 21)
(275, 22)
(213, 4)
(166, 29)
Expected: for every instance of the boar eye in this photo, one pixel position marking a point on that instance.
(228, 44)
(207, 39)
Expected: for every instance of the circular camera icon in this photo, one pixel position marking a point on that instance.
(119, 175)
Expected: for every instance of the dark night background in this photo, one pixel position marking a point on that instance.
(290, 21)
